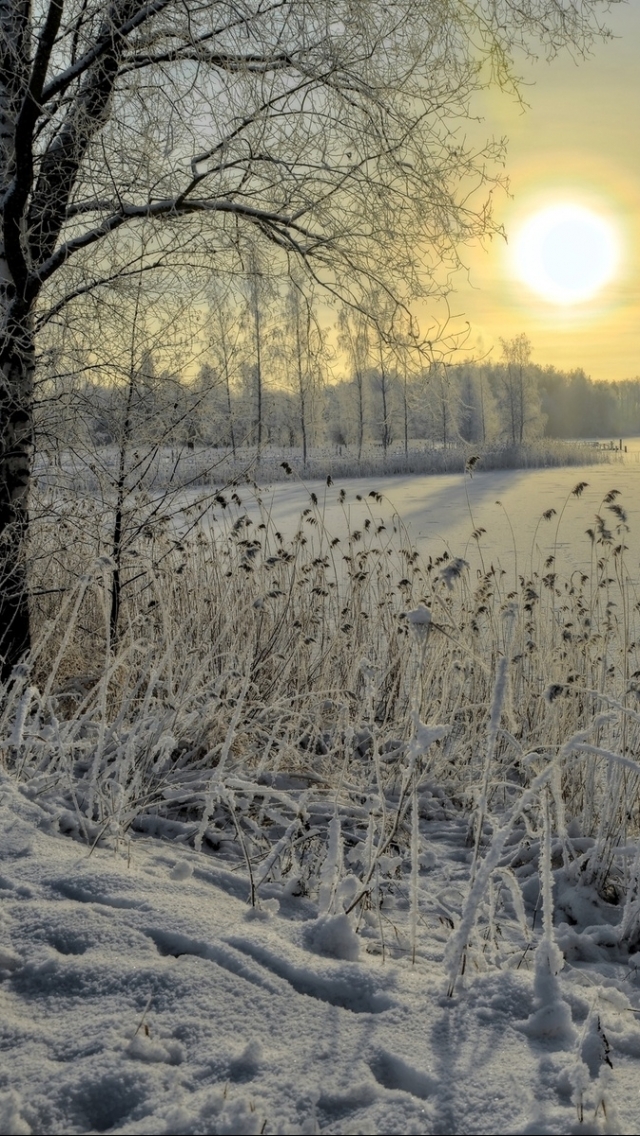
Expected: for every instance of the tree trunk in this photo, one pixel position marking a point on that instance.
(258, 389)
(257, 327)
(360, 386)
(406, 418)
(386, 432)
(232, 433)
(118, 520)
(16, 448)
(301, 385)
(385, 416)
(303, 430)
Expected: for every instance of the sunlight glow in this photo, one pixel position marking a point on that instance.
(566, 253)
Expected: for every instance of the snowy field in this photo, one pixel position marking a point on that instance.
(225, 913)
(142, 994)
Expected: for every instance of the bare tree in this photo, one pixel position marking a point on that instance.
(126, 423)
(327, 127)
(409, 352)
(518, 392)
(385, 394)
(307, 352)
(354, 341)
(396, 345)
(381, 381)
(442, 404)
(477, 415)
(256, 303)
(405, 406)
(226, 351)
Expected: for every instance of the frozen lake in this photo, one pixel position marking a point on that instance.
(442, 512)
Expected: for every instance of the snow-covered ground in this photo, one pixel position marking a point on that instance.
(142, 994)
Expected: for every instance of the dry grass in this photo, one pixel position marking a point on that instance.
(261, 686)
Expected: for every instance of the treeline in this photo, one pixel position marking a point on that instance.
(574, 406)
(291, 383)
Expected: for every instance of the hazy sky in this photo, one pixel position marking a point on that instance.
(577, 143)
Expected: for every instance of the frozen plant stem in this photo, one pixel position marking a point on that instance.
(497, 704)
(415, 868)
(455, 952)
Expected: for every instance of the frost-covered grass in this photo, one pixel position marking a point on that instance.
(179, 466)
(317, 711)
(245, 659)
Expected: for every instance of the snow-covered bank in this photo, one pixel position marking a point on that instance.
(170, 469)
(142, 994)
(333, 838)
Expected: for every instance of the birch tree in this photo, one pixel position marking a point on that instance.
(307, 356)
(329, 128)
(354, 340)
(226, 350)
(518, 394)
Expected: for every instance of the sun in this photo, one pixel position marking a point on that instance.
(566, 253)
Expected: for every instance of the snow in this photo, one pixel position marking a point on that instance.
(142, 994)
(442, 512)
(488, 989)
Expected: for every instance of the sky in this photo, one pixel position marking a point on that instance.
(576, 144)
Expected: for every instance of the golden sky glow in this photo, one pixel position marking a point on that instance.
(569, 276)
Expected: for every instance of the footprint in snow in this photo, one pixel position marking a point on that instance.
(395, 1073)
(347, 987)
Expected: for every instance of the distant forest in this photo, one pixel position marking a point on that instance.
(294, 395)
(574, 406)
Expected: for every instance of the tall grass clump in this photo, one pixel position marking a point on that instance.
(308, 705)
